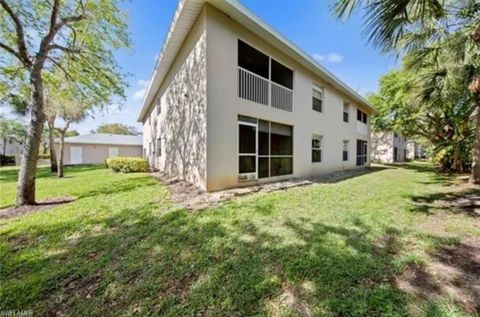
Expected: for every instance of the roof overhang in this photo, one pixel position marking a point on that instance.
(185, 16)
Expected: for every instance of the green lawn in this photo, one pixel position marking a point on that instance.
(123, 248)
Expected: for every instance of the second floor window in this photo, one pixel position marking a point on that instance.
(317, 99)
(361, 116)
(346, 111)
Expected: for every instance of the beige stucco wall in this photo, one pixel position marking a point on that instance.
(224, 106)
(181, 121)
(98, 153)
(383, 143)
(382, 149)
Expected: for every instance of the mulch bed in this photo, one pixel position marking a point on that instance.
(43, 205)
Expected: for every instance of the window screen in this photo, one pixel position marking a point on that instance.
(282, 75)
(252, 59)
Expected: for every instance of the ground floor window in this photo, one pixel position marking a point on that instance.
(316, 149)
(362, 152)
(345, 150)
(264, 148)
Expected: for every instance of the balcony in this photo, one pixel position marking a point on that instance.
(255, 88)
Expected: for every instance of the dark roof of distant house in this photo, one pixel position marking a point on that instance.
(104, 138)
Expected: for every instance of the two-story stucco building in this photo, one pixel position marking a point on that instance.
(389, 147)
(232, 102)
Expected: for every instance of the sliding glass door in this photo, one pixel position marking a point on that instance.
(362, 152)
(265, 148)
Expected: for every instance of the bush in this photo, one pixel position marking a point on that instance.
(7, 160)
(43, 156)
(127, 164)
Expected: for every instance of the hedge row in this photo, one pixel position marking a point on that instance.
(127, 164)
(7, 160)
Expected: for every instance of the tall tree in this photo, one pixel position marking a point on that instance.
(73, 36)
(116, 128)
(422, 28)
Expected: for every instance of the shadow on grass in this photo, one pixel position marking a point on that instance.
(119, 186)
(435, 175)
(183, 263)
(466, 201)
(336, 177)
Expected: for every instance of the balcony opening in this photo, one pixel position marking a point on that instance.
(252, 60)
(282, 75)
(263, 80)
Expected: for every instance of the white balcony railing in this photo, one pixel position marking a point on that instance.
(258, 89)
(252, 87)
(282, 98)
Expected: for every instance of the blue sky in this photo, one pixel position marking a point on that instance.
(308, 23)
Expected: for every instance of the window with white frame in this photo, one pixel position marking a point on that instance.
(346, 111)
(317, 148)
(317, 98)
(345, 147)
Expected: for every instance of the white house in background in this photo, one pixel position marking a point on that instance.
(415, 150)
(389, 147)
(10, 146)
(95, 148)
(232, 102)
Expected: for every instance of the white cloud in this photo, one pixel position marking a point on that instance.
(334, 58)
(143, 83)
(330, 57)
(138, 95)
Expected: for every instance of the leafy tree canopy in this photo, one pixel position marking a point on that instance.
(13, 129)
(116, 128)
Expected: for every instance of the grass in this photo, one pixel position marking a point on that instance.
(123, 248)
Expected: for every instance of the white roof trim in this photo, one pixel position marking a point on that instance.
(185, 16)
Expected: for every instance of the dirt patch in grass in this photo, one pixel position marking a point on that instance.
(192, 197)
(454, 271)
(43, 205)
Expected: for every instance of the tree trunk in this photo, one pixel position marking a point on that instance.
(28, 166)
(4, 145)
(51, 140)
(457, 165)
(60, 150)
(474, 88)
(475, 176)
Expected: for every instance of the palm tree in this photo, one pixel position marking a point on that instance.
(421, 29)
